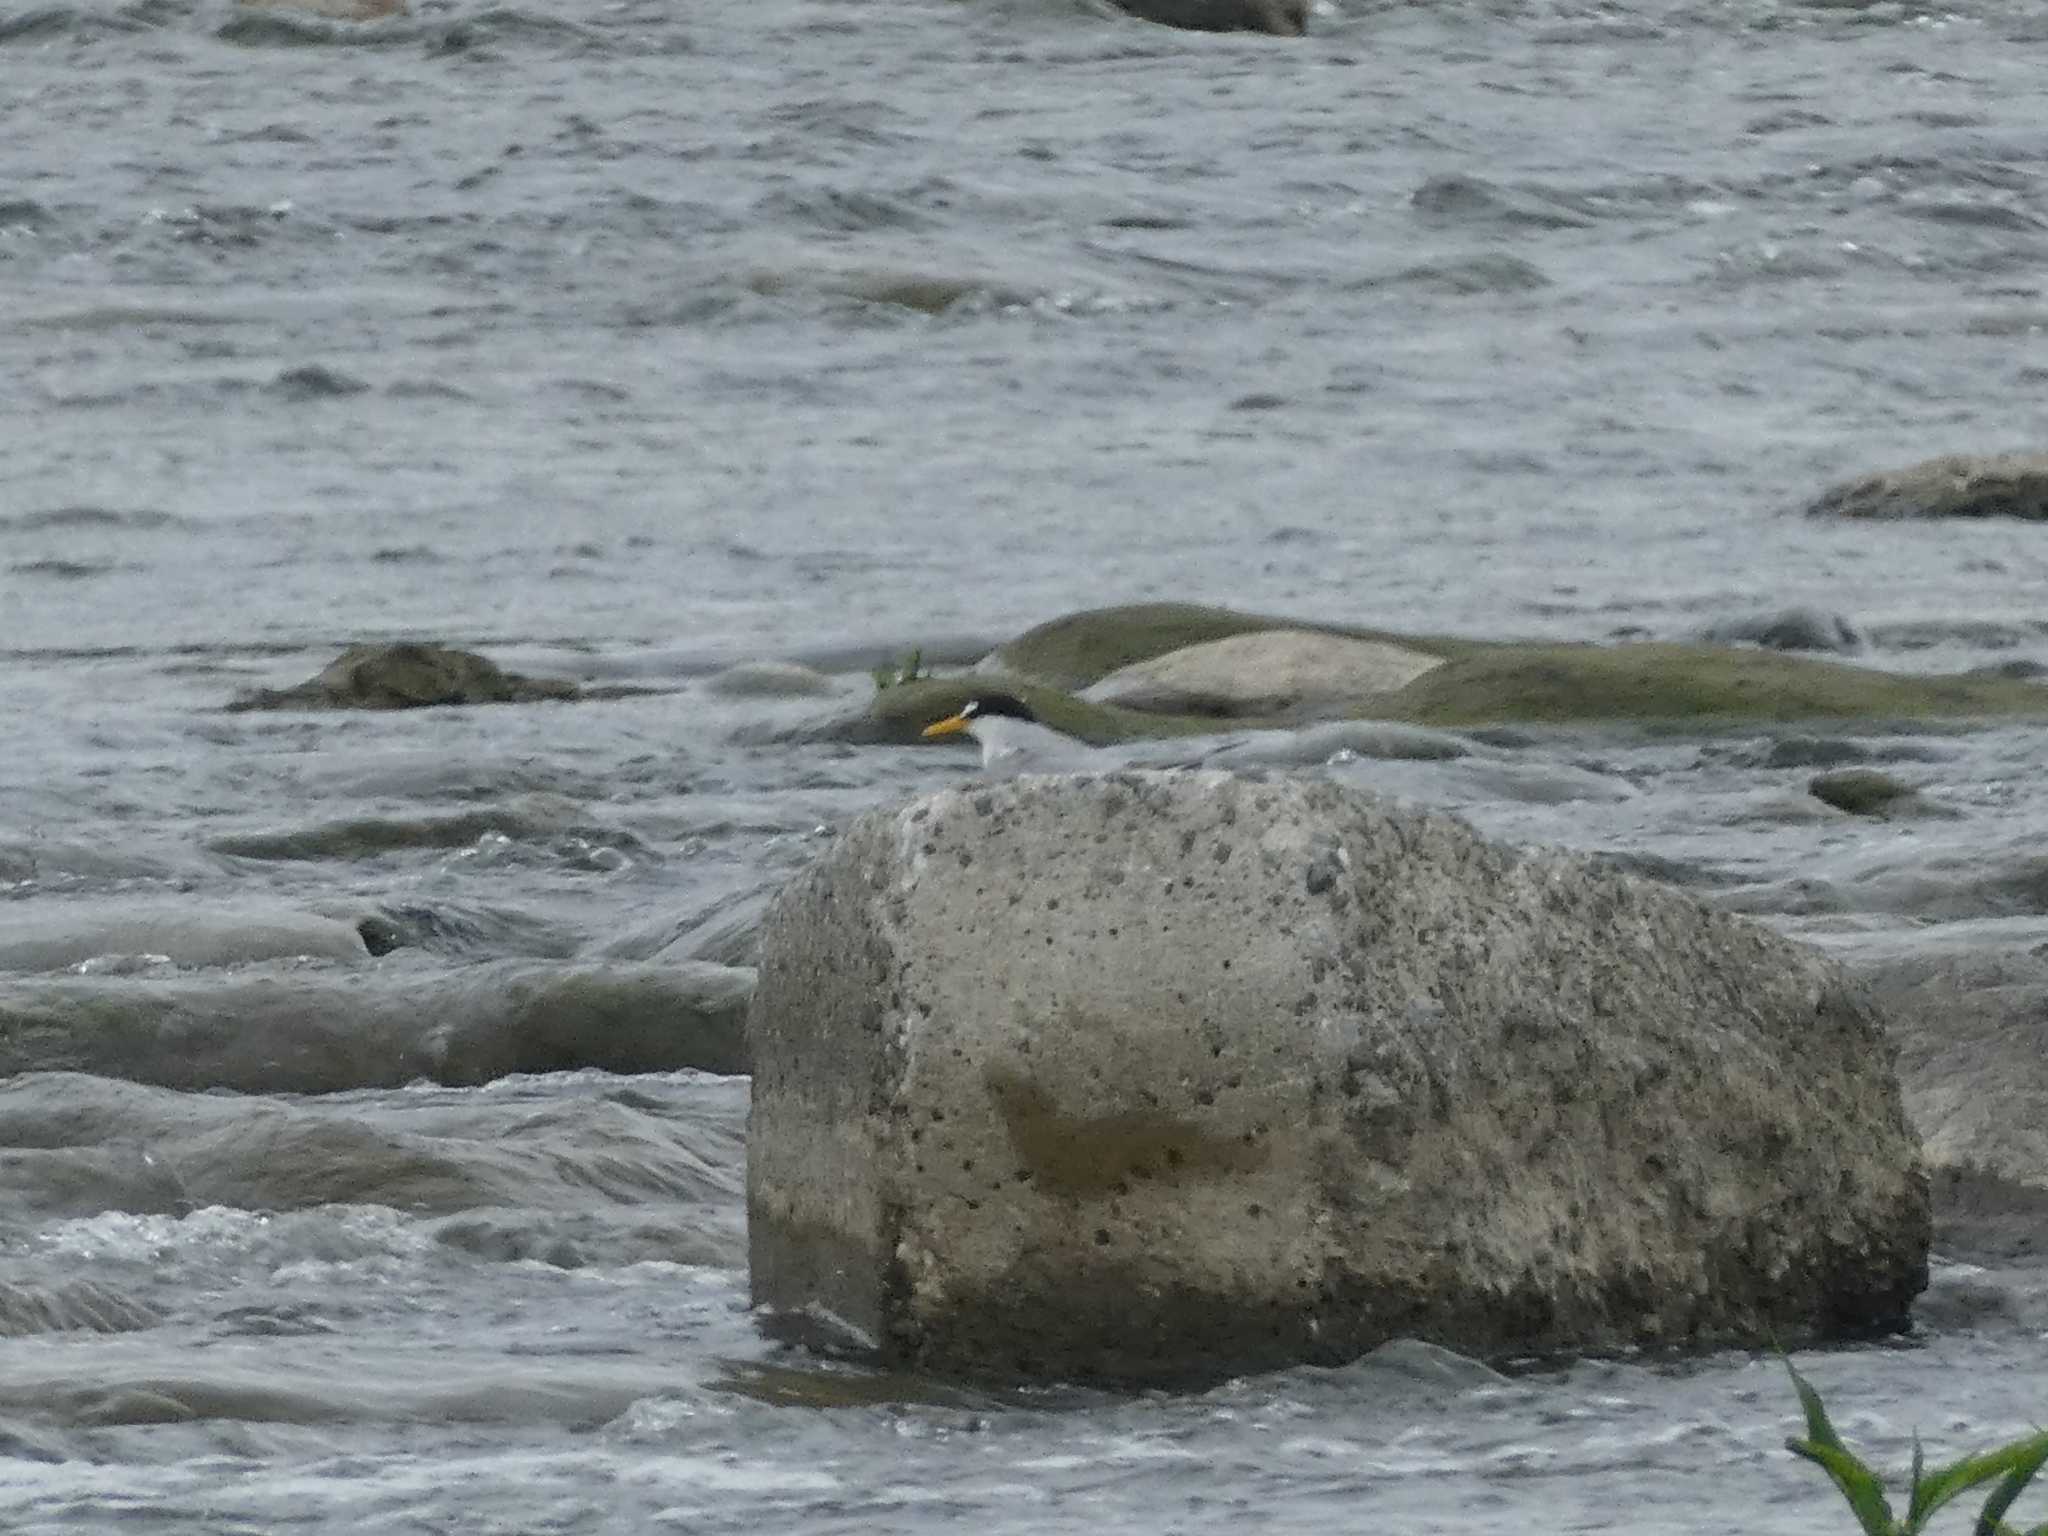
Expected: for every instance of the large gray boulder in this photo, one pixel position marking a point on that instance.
(1159, 1076)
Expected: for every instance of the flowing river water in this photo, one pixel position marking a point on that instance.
(625, 340)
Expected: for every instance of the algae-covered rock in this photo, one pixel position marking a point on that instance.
(1957, 485)
(408, 675)
(1083, 648)
(1689, 683)
(1477, 683)
(1269, 672)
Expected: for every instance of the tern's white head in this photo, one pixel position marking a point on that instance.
(1013, 739)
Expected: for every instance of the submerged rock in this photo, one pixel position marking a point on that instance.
(1338, 741)
(1150, 1077)
(408, 675)
(117, 938)
(301, 1032)
(1789, 629)
(1868, 792)
(928, 293)
(1280, 18)
(1270, 672)
(770, 680)
(332, 10)
(1958, 485)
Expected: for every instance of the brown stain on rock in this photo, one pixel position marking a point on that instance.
(1090, 1155)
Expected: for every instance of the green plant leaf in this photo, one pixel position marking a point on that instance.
(1858, 1483)
(1818, 1429)
(2023, 1457)
(2018, 1462)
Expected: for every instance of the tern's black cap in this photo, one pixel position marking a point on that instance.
(989, 704)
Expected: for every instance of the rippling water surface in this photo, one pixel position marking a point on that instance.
(628, 340)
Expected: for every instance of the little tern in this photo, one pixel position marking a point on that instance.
(1014, 740)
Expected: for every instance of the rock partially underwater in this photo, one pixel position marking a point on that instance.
(1869, 792)
(1958, 485)
(1073, 673)
(268, 1032)
(408, 675)
(1789, 629)
(1154, 1077)
(333, 10)
(117, 936)
(1277, 18)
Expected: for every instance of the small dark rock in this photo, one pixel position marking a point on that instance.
(1861, 791)
(316, 381)
(1791, 629)
(1281, 18)
(380, 934)
(408, 675)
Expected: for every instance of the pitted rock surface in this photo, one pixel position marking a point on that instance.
(1157, 1077)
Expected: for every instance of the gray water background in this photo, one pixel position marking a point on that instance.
(555, 332)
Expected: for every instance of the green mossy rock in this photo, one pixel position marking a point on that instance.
(1083, 648)
(1562, 684)
(1480, 683)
